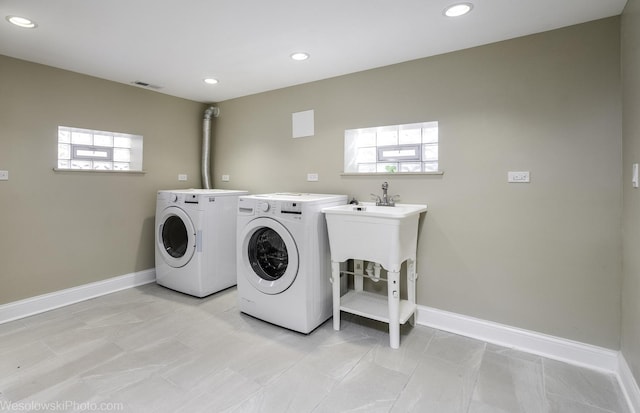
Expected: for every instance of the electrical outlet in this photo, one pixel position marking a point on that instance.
(518, 177)
(312, 177)
(182, 177)
(4, 175)
(226, 178)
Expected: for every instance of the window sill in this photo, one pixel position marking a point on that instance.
(392, 173)
(94, 171)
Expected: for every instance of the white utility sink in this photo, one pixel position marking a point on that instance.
(382, 234)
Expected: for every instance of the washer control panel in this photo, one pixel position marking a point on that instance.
(269, 207)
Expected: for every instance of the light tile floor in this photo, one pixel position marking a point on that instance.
(149, 349)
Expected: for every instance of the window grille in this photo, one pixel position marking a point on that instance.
(87, 149)
(389, 149)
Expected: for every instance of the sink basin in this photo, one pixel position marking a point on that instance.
(372, 210)
(386, 235)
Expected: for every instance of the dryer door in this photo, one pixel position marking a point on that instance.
(175, 237)
(269, 255)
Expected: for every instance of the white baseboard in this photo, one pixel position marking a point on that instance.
(629, 384)
(41, 303)
(537, 343)
(585, 355)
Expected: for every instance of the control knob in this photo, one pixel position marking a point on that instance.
(263, 206)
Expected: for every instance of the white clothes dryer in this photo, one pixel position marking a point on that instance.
(196, 240)
(284, 264)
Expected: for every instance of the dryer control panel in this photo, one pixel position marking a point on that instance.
(191, 199)
(291, 208)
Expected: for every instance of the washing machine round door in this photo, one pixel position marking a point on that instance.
(269, 255)
(176, 237)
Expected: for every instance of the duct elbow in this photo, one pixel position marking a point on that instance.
(211, 111)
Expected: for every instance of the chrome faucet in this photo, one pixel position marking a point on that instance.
(385, 200)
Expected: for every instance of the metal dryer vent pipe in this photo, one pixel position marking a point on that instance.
(206, 145)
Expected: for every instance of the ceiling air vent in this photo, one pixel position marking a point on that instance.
(147, 85)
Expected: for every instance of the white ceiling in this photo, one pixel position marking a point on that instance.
(246, 43)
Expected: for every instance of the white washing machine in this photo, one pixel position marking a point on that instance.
(284, 264)
(196, 240)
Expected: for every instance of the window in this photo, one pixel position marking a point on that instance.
(389, 149)
(86, 149)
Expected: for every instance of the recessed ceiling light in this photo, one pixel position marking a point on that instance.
(210, 81)
(459, 9)
(22, 22)
(300, 56)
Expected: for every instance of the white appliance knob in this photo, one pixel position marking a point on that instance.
(263, 206)
(173, 197)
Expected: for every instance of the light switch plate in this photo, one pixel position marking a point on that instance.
(226, 178)
(312, 177)
(4, 175)
(518, 176)
(182, 177)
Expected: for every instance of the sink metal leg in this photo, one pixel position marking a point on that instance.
(335, 279)
(393, 290)
(411, 286)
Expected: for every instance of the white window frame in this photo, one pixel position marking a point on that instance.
(98, 151)
(392, 149)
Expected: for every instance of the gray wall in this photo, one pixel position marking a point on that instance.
(60, 230)
(631, 214)
(544, 256)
